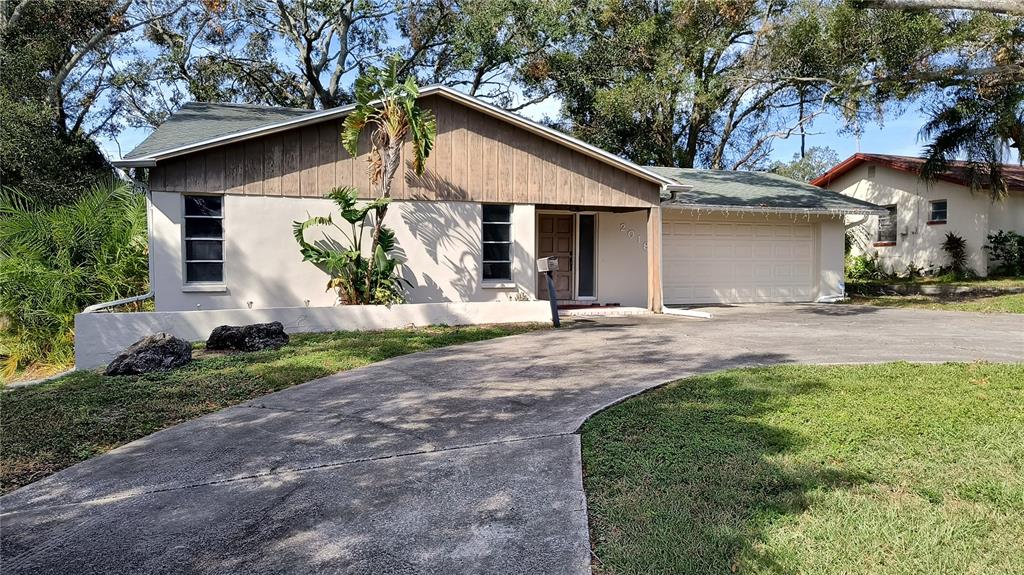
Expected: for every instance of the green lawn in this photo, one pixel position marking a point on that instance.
(48, 427)
(886, 469)
(1012, 303)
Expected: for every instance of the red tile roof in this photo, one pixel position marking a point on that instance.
(956, 173)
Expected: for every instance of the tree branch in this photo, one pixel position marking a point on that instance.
(998, 6)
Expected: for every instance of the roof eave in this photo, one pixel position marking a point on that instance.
(134, 163)
(852, 211)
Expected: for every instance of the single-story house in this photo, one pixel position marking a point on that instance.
(920, 213)
(227, 181)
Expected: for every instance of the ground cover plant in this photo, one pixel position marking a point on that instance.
(883, 469)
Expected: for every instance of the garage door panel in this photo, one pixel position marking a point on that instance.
(731, 262)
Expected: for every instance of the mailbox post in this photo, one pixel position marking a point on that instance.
(548, 266)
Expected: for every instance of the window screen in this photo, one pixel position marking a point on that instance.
(497, 242)
(887, 225)
(938, 212)
(204, 239)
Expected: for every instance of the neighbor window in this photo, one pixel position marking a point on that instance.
(937, 215)
(887, 226)
(497, 242)
(204, 239)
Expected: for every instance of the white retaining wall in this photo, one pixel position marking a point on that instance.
(99, 337)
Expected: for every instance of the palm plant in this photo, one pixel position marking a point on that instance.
(980, 125)
(54, 261)
(349, 269)
(388, 107)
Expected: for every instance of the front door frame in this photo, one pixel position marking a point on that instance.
(575, 287)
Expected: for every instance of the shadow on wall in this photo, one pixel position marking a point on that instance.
(438, 188)
(449, 234)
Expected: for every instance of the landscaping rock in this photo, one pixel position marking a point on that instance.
(253, 337)
(158, 352)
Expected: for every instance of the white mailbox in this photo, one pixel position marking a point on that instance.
(549, 264)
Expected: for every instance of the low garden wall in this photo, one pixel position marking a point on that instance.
(99, 337)
(939, 290)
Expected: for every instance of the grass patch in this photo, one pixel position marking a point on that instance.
(1010, 303)
(885, 469)
(54, 425)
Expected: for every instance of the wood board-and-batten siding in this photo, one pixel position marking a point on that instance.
(476, 158)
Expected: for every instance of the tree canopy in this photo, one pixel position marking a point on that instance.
(707, 83)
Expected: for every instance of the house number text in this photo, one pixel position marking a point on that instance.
(633, 235)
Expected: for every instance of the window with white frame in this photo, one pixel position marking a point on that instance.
(497, 242)
(204, 239)
(938, 212)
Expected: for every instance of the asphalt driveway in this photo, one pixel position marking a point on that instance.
(458, 460)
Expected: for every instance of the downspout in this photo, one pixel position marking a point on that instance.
(673, 190)
(149, 242)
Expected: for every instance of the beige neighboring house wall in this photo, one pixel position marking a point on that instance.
(970, 216)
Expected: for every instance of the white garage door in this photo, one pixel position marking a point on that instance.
(736, 262)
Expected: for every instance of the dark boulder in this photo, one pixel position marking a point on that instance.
(248, 337)
(158, 352)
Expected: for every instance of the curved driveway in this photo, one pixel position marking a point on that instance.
(458, 460)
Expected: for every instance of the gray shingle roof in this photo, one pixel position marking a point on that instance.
(201, 121)
(758, 190)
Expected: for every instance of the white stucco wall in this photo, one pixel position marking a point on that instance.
(99, 337)
(831, 248)
(439, 241)
(622, 258)
(970, 216)
(1008, 214)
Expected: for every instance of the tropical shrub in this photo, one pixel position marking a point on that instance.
(346, 263)
(55, 261)
(1006, 248)
(388, 108)
(956, 250)
(864, 267)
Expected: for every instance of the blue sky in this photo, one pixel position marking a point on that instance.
(897, 136)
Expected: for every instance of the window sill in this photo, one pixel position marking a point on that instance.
(498, 285)
(883, 244)
(936, 222)
(205, 288)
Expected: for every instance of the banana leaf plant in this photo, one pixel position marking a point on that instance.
(357, 277)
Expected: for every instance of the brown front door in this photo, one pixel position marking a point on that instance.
(555, 238)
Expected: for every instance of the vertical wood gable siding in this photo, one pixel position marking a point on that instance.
(476, 158)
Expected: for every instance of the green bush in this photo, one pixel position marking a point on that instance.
(863, 268)
(55, 261)
(1007, 251)
(956, 250)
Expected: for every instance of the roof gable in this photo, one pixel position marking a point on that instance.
(956, 172)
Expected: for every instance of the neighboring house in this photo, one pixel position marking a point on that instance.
(227, 181)
(921, 213)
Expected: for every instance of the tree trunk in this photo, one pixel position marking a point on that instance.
(390, 157)
(803, 131)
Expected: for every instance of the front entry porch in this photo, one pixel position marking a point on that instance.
(604, 257)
